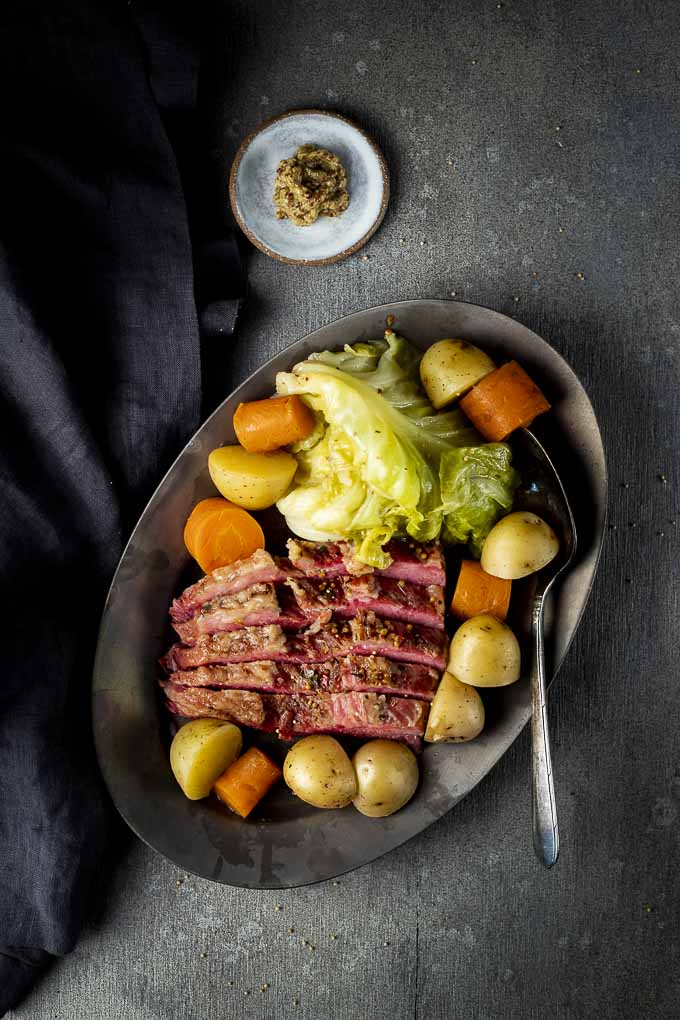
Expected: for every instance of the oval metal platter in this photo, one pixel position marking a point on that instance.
(295, 844)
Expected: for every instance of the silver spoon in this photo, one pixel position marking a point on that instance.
(542, 493)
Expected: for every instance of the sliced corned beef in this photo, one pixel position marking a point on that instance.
(246, 645)
(256, 606)
(417, 562)
(386, 676)
(373, 635)
(322, 644)
(351, 673)
(391, 598)
(260, 568)
(245, 708)
(354, 714)
(366, 634)
(327, 559)
(270, 676)
(290, 715)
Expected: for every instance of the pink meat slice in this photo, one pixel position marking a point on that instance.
(351, 673)
(260, 568)
(389, 597)
(354, 714)
(417, 562)
(290, 715)
(365, 634)
(330, 559)
(268, 676)
(374, 635)
(245, 708)
(248, 644)
(375, 673)
(256, 606)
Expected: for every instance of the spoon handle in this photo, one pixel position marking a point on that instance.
(546, 835)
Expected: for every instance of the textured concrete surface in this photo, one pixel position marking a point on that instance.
(529, 143)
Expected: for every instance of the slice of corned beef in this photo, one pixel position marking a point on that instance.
(252, 607)
(290, 715)
(391, 598)
(244, 676)
(385, 676)
(373, 635)
(417, 562)
(351, 673)
(416, 603)
(246, 645)
(245, 708)
(260, 568)
(366, 634)
(319, 559)
(251, 644)
(354, 714)
(273, 677)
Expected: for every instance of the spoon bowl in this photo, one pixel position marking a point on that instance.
(542, 493)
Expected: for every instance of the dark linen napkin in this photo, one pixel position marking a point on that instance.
(100, 371)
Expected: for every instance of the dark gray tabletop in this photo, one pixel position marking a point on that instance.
(534, 150)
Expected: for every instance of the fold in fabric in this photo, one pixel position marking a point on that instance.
(100, 367)
(18, 974)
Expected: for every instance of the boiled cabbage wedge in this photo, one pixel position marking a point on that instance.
(381, 463)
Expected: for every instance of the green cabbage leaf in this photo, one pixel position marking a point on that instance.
(477, 485)
(381, 463)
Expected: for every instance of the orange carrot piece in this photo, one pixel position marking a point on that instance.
(197, 518)
(264, 425)
(246, 781)
(478, 592)
(218, 533)
(503, 401)
(229, 535)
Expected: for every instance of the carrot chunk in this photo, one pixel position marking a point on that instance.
(264, 425)
(246, 781)
(478, 592)
(218, 533)
(503, 401)
(197, 518)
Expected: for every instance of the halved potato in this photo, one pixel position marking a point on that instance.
(251, 480)
(200, 752)
(518, 545)
(485, 653)
(318, 771)
(450, 368)
(457, 712)
(387, 777)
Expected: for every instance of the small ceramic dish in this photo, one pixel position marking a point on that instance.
(329, 239)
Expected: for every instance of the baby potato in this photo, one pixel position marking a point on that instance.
(450, 368)
(200, 752)
(518, 545)
(485, 653)
(457, 712)
(387, 777)
(318, 771)
(251, 480)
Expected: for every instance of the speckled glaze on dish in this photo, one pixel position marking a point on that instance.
(297, 844)
(329, 239)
